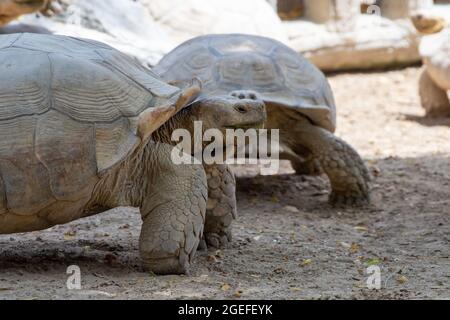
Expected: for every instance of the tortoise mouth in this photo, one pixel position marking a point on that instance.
(246, 126)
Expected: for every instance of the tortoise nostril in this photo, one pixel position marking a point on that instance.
(241, 96)
(252, 96)
(241, 109)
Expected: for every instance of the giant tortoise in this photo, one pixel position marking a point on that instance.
(434, 83)
(298, 99)
(84, 128)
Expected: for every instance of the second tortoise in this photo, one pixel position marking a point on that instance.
(298, 99)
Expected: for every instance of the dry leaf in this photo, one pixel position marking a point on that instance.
(237, 294)
(354, 248)
(291, 209)
(212, 258)
(225, 287)
(256, 238)
(110, 258)
(279, 270)
(376, 171)
(345, 245)
(402, 279)
(70, 235)
(305, 262)
(372, 262)
(360, 285)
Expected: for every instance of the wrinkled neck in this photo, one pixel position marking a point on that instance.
(128, 183)
(182, 120)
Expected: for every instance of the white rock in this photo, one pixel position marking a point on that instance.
(373, 42)
(185, 19)
(125, 25)
(291, 209)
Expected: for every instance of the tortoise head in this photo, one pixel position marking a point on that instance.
(231, 116)
(237, 110)
(215, 111)
(229, 112)
(428, 23)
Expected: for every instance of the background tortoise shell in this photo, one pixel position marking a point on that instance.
(68, 112)
(231, 62)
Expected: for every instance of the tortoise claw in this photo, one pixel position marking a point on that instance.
(349, 200)
(218, 241)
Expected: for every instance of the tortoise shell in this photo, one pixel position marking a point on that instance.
(231, 62)
(68, 113)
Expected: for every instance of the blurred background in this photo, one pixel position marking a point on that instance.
(333, 34)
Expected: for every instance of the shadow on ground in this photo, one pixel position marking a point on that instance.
(288, 244)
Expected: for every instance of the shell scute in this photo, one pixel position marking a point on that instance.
(24, 86)
(66, 148)
(26, 184)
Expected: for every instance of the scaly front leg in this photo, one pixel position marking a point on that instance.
(221, 206)
(173, 213)
(344, 167)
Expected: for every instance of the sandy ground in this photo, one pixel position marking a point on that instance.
(288, 243)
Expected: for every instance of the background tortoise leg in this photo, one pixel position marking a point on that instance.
(344, 167)
(173, 214)
(434, 99)
(221, 206)
(308, 165)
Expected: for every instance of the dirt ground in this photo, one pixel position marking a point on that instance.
(288, 242)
